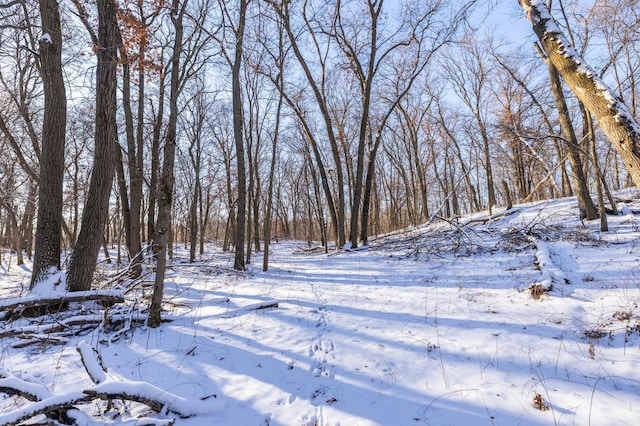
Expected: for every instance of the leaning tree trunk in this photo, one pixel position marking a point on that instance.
(85, 253)
(49, 225)
(613, 116)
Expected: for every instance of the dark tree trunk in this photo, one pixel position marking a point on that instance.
(155, 167)
(14, 232)
(195, 201)
(588, 209)
(49, 224)
(122, 190)
(165, 192)
(239, 261)
(135, 177)
(26, 227)
(85, 253)
(272, 168)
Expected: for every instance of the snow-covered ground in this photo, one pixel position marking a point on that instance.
(434, 325)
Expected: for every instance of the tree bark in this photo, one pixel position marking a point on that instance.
(16, 240)
(588, 209)
(604, 225)
(239, 261)
(134, 244)
(366, 83)
(272, 165)
(49, 224)
(155, 166)
(613, 115)
(26, 226)
(85, 253)
(165, 191)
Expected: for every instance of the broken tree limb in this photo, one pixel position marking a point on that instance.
(49, 405)
(19, 305)
(12, 385)
(56, 327)
(552, 277)
(491, 218)
(266, 304)
(92, 363)
(110, 387)
(155, 398)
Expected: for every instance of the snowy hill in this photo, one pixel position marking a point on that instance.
(436, 325)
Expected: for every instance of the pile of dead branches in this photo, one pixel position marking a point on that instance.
(36, 319)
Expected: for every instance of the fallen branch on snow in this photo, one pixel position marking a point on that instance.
(23, 306)
(107, 387)
(552, 277)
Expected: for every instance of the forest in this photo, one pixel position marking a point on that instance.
(135, 126)
(234, 190)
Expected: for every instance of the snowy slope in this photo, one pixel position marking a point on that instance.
(433, 325)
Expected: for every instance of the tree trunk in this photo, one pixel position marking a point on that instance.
(14, 232)
(274, 153)
(193, 221)
(85, 253)
(49, 224)
(613, 116)
(250, 194)
(507, 194)
(26, 226)
(239, 261)
(155, 166)
(368, 190)
(122, 190)
(257, 191)
(165, 189)
(588, 209)
(604, 225)
(135, 177)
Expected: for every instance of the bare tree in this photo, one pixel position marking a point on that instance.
(186, 63)
(194, 118)
(470, 73)
(158, 122)
(165, 190)
(237, 27)
(587, 208)
(85, 253)
(404, 54)
(613, 115)
(49, 224)
(278, 57)
(318, 87)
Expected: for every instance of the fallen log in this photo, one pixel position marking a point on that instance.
(107, 386)
(31, 306)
